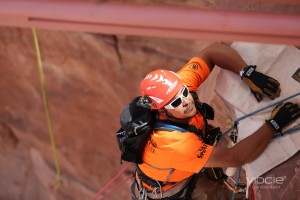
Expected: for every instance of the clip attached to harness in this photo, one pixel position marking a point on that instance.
(234, 133)
(217, 174)
(232, 184)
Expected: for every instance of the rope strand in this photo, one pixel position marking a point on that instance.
(58, 179)
(252, 113)
(111, 181)
(226, 132)
(259, 110)
(117, 187)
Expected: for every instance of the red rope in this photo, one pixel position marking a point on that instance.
(117, 187)
(252, 192)
(111, 181)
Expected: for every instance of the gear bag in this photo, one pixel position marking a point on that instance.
(136, 127)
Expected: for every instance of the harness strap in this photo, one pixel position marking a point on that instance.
(152, 182)
(170, 173)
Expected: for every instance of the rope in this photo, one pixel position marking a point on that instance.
(259, 110)
(58, 179)
(237, 180)
(111, 181)
(252, 192)
(289, 131)
(252, 113)
(117, 187)
(268, 106)
(226, 132)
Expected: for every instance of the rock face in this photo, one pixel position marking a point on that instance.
(89, 78)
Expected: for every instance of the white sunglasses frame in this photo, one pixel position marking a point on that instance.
(181, 96)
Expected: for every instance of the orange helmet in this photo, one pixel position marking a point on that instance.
(160, 86)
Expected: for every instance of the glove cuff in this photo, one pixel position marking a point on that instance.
(273, 124)
(247, 71)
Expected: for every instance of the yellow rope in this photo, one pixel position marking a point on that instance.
(58, 178)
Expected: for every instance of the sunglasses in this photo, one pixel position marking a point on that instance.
(177, 101)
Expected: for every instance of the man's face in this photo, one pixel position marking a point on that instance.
(182, 106)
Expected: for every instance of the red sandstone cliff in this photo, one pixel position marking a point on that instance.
(89, 78)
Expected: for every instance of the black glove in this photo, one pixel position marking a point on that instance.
(282, 115)
(260, 84)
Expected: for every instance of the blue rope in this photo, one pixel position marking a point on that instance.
(237, 180)
(266, 107)
(259, 110)
(252, 113)
(289, 131)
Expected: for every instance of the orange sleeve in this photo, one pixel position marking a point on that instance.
(194, 73)
(192, 154)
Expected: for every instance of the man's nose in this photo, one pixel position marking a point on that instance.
(184, 101)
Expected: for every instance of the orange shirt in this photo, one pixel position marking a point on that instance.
(184, 152)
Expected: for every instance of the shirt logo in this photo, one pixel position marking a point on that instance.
(152, 144)
(202, 151)
(194, 66)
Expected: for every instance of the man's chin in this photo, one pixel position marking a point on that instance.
(189, 115)
(190, 110)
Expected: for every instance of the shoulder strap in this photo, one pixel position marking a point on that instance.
(171, 126)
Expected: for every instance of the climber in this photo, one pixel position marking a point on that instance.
(172, 159)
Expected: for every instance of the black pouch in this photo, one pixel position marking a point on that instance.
(136, 127)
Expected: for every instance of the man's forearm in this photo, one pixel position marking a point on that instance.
(223, 56)
(243, 152)
(251, 147)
